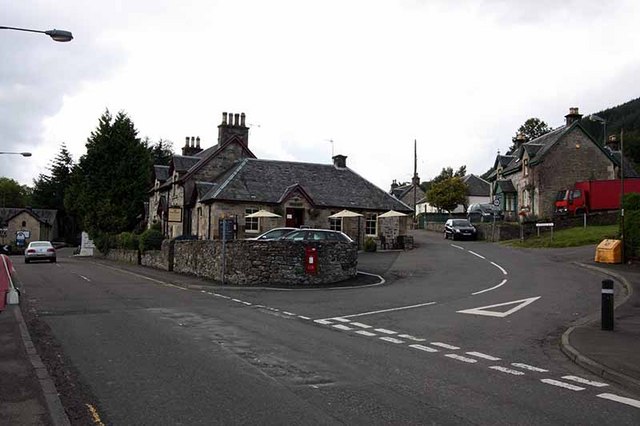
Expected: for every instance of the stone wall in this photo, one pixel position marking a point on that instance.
(120, 255)
(256, 263)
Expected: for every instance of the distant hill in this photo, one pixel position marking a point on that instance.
(625, 116)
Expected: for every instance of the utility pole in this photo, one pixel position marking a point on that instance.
(622, 191)
(416, 181)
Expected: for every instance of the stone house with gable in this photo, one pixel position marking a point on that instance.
(201, 187)
(34, 224)
(529, 178)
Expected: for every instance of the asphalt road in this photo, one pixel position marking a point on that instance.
(397, 353)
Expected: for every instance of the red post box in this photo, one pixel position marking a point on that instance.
(311, 260)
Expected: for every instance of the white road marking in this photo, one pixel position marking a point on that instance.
(249, 304)
(482, 310)
(445, 345)
(385, 331)
(322, 321)
(202, 291)
(342, 327)
(423, 348)
(410, 337)
(499, 267)
(388, 310)
(84, 278)
(458, 247)
(340, 319)
(366, 333)
(621, 399)
(561, 384)
(529, 367)
(361, 325)
(476, 254)
(391, 339)
(507, 370)
(288, 313)
(585, 381)
(303, 317)
(237, 300)
(222, 295)
(491, 288)
(483, 356)
(461, 358)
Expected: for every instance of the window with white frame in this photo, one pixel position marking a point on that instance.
(371, 224)
(335, 224)
(250, 223)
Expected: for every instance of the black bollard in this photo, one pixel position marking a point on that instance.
(607, 305)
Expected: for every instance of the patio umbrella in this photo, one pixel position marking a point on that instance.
(344, 213)
(262, 213)
(392, 213)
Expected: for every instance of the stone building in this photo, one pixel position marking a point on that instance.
(32, 224)
(529, 178)
(201, 187)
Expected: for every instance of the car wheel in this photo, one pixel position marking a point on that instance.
(26, 261)
(445, 235)
(453, 237)
(53, 260)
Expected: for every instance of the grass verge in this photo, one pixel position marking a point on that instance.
(571, 237)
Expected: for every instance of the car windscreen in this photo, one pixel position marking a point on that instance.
(461, 222)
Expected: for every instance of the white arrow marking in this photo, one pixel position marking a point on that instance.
(482, 310)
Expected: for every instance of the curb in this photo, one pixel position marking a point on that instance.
(51, 397)
(582, 360)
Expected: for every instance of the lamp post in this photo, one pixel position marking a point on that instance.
(24, 154)
(599, 119)
(56, 35)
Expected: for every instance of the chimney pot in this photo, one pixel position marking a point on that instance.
(198, 142)
(242, 117)
(340, 161)
(186, 142)
(193, 142)
(224, 118)
(236, 119)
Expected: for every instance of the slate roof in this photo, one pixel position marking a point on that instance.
(161, 172)
(506, 186)
(47, 216)
(266, 181)
(182, 163)
(401, 191)
(629, 169)
(477, 186)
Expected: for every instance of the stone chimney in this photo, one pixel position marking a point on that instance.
(233, 125)
(394, 185)
(520, 139)
(573, 116)
(340, 161)
(191, 146)
(613, 143)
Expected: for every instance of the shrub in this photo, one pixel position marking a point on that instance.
(127, 241)
(370, 245)
(104, 242)
(151, 239)
(631, 203)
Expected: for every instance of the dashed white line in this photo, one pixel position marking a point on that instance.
(388, 310)
(423, 348)
(529, 367)
(342, 327)
(483, 356)
(561, 384)
(410, 337)
(445, 345)
(391, 339)
(499, 267)
(458, 247)
(366, 333)
(303, 317)
(507, 370)
(621, 399)
(461, 358)
(585, 381)
(248, 304)
(385, 331)
(84, 278)
(237, 300)
(222, 296)
(288, 313)
(361, 325)
(322, 321)
(340, 319)
(476, 254)
(491, 288)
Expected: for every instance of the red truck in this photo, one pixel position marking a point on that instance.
(593, 195)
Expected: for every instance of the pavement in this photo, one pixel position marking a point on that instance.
(28, 395)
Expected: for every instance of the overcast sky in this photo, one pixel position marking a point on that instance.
(458, 76)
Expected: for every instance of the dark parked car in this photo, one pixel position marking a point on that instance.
(317, 235)
(478, 212)
(273, 234)
(459, 228)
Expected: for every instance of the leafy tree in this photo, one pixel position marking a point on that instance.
(161, 152)
(12, 194)
(447, 173)
(531, 129)
(447, 194)
(109, 184)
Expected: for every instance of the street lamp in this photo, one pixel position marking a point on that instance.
(57, 35)
(24, 154)
(594, 117)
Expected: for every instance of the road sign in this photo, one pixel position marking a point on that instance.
(496, 202)
(483, 310)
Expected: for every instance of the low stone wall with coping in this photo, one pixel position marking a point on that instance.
(120, 255)
(159, 259)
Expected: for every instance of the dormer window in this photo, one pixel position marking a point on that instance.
(525, 167)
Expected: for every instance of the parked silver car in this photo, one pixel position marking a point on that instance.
(317, 235)
(273, 234)
(40, 250)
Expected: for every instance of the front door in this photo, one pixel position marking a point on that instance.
(294, 217)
